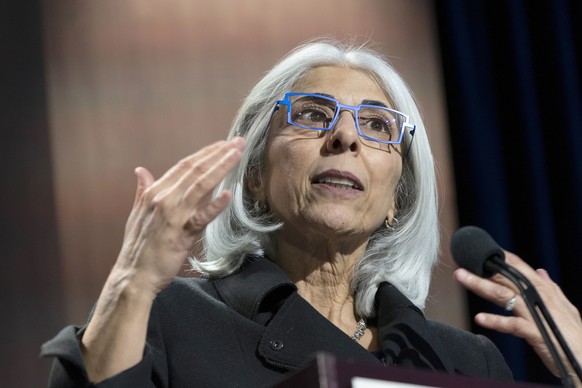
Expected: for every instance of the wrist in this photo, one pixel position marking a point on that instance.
(128, 286)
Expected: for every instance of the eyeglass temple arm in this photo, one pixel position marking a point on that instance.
(412, 130)
(280, 102)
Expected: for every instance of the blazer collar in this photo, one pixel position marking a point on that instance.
(405, 335)
(259, 281)
(297, 332)
(294, 330)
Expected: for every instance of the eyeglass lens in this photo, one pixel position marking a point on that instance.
(319, 113)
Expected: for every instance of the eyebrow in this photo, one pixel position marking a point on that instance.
(364, 102)
(374, 102)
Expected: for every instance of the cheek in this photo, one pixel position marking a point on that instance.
(286, 173)
(391, 177)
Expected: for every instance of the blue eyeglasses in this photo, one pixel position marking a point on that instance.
(320, 113)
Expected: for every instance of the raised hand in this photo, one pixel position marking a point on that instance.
(167, 218)
(169, 214)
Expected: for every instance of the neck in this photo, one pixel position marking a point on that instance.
(322, 273)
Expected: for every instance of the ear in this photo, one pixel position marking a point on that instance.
(255, 185)
(392, 212)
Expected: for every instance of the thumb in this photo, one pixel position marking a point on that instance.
(144, 180)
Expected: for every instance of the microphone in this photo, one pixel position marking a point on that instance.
(476, 251)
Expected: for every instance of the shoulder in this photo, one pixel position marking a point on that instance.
(472, 354)
(186, 286)
(186, 306)
(452, 333)
(184, 295)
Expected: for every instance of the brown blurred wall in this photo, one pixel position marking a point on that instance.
(129, 83)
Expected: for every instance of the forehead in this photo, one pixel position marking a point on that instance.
(348, 85)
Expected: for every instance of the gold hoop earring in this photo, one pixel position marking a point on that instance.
(391, 227)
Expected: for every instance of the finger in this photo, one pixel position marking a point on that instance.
(516, 262)
(548, 290)
(485, 288)
(544, 274)
(201, 218)
(144, 180)
(540, 278)
(148, 188)
(556, 296)
(522, 328)
(545, 277)
(175, 173)
(517, 326)
(203, 185)
(197, 162)
(188, 203)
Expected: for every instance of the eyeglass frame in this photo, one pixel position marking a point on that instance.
(339, 107)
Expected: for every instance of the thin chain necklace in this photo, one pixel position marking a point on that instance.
(360, 329)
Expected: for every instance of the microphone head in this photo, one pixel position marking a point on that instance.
(471, 247)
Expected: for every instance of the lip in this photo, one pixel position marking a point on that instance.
(337, 174)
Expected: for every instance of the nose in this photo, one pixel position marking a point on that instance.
(344, 134)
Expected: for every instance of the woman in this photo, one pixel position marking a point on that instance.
(323, 238)
(521, 324)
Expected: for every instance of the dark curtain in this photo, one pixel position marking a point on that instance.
(512, 72)
(30, 291)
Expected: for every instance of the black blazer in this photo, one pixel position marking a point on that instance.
(251, 328)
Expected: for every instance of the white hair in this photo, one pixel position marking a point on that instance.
(403, 256)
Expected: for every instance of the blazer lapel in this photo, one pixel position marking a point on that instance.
(247, 290)
(404, 334)
(297, 332)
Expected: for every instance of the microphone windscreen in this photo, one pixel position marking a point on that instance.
(471, 247)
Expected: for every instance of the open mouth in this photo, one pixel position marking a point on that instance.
(339, 180)
(339, 183)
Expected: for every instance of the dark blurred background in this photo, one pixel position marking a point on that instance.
(514, 95)
(90, 90)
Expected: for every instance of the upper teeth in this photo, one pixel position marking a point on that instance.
(338, 181)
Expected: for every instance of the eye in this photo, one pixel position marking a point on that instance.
(375, 124)
(311, 114)
(378, 125)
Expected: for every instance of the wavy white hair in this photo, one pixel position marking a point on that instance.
(404, 256)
